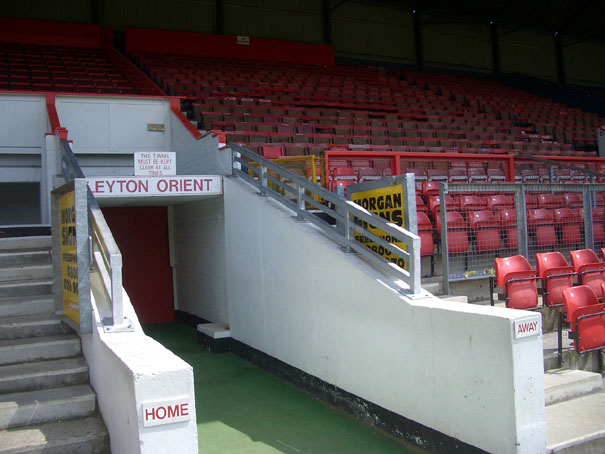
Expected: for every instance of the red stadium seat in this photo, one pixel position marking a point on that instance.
(342, 177)
(573, 200)
(569, 224)
(586, 318)
(495, 176)
(598, 223)
(468, 203)
(430, 188)
(425, 232)
(436, 175)
(272, 151)
(477, 175)
(548, 200)
(590, 270)
(435, 204)
(508, 221)
(556, 275)
(541, 222)
(499, 202)
(518, 282)
(531, 201)
(368, 174)
(457, 236)
(486, 230)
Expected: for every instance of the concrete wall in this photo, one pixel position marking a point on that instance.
(199, 259)
(373, 32)
(576, 56)
(458, 45)
(23, 123)
(104, 124)
(453, 367)
(130, 369)
(276, 19)
(529, 52)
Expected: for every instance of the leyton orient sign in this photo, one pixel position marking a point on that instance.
(156, 186)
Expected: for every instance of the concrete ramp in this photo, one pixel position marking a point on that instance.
(452, 375)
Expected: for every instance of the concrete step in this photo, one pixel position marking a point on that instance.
(565, 384)
(27, 305)
(571, 359)
(21, 327)
(26, 288)
(42, 406)
(43, 375)
(26, 242)
(22, 258)
(82, 435)
(14, 351)
(454, 298)
(26, 273)
(576, 426)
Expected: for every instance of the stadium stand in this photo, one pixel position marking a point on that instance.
(368, 122)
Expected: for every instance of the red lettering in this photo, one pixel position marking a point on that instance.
(184, 409)
(208, 180)
(187, 185)
(131, 186)
(110, 184)
(99, 187)
(161, 410)
(143, 186)
(162, 185)
(149, 412)
(198, 185)
(173, 411)
(174, 186)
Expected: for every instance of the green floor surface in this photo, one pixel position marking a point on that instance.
(243, 409)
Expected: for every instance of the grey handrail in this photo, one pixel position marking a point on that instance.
(105, 253)
(349, 218)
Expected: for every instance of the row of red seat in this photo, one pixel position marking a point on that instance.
(579, 300)
(63, 69)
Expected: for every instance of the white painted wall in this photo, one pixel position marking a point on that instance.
(199, 259)
(105, 124)
(23, 123)
(452, 367)
(129, 369)
(198, 156)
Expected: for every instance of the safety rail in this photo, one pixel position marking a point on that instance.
(104, 253)
(347, 222)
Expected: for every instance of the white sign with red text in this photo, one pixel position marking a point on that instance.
(154, 163)
(527, 327)
(166, 412)
(156, 186)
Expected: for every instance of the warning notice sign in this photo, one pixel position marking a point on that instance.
(69, 256)
(386, 202)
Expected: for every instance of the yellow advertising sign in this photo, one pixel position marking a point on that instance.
(69, 256)
(386, 202)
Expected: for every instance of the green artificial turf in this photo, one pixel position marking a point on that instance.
(243, 409)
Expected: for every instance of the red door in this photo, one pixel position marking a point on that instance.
(142, 236)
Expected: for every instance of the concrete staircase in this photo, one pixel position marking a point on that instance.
(46, 403)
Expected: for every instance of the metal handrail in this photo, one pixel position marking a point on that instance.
(349, 218)
(105, 253)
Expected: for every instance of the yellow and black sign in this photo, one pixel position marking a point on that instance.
(386, 202)
(69, 256)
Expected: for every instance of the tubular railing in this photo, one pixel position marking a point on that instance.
(105, 255)
(343, 221)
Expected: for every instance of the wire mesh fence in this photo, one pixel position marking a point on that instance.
(480, 222)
